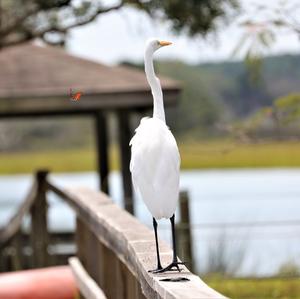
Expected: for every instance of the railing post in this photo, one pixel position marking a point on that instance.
(4, 260)
(184, 231)
(17, 256)
(39, 229)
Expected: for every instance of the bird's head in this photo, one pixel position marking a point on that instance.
(154, 44)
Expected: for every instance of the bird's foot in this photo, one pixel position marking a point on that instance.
(159, 267)
(174, 266)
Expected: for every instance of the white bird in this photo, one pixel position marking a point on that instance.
(155, 159)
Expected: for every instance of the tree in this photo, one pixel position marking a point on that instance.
(263, 28)
(50, 20)
(281, 120)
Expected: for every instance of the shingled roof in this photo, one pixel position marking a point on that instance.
(34, 73)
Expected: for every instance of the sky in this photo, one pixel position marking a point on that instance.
(121, 35)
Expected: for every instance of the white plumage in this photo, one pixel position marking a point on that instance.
(155, 167)
(155, 160)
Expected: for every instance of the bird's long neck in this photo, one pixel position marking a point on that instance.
(158, 104)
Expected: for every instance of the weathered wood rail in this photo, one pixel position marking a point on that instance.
(37, 247)
(114, 250)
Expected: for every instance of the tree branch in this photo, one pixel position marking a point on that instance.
(92, 17)
(28, 34)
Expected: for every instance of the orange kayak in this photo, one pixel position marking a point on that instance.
(46, 283)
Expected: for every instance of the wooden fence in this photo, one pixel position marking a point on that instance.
(114, 250)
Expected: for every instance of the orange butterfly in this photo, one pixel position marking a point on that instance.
(76, 96)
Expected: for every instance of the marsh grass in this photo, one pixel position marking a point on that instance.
(228, 154)
(269, 288)
(200, 155)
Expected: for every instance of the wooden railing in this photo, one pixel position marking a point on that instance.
(114, 250)
(37, 246)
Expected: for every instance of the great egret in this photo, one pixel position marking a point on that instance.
(155, 159)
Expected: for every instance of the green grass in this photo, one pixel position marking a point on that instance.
(226, 154)
(210, 154)
(274, 288)
(56, 161)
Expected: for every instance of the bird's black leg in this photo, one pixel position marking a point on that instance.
(175, 263)
(159, 267)
(172, 219)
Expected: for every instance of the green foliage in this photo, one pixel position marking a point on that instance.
(224, 93)
(288, 107)
(289, 269)
(197, 16)
(47, 4)
(284, 114)
(230, 83)
(52, 19)
(197, 106)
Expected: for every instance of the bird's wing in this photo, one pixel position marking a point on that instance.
(154, 165)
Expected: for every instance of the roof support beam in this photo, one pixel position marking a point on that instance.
(102, 150)
(124, 138)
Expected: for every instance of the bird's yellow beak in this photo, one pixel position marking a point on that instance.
(164, 43)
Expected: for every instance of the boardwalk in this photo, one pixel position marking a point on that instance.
(114, 250)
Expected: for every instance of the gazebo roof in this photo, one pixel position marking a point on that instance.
(37, 79)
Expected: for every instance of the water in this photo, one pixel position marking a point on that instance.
(217, 197)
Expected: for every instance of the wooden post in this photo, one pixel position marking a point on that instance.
(80, 240)
(124, 139)
(184, 231)
(39, 230)
(4, 260)
(102, 150)
(17, 257)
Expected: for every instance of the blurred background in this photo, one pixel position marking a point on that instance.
(236, 121)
